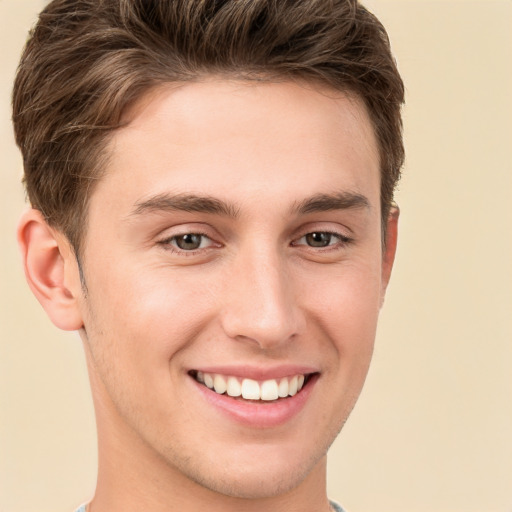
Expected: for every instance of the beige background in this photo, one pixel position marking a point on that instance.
(433, 429)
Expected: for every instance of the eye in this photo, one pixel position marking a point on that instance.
(188, 242)
(320, 239)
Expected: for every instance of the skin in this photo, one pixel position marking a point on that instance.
(255, 292)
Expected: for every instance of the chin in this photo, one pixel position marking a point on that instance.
(255, 482)
(258, 473)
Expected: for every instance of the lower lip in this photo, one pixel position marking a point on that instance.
(259, 414)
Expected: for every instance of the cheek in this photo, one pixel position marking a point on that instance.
(138, 321)
(157, 310)
(346, 310)
(137, 329)
(346, 303)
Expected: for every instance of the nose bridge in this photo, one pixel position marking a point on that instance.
(261, 303)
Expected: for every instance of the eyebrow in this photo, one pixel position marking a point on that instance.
(185, 203)
(207, 204)
(328, 202)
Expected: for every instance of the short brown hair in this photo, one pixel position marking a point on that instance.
(87, 60)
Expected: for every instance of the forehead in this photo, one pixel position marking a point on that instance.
(222, 137)
(294, 111)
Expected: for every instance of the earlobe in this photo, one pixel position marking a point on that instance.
(388, 256)
(51, 270)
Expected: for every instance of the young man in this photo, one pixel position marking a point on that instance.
(211, 187)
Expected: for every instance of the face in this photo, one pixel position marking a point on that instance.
(234, 242)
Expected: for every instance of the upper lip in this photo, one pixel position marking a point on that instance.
(259, 373)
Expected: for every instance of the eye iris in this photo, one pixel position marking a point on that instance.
(189, 242)
(318, 239)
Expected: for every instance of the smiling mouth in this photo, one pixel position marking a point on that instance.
(269, 390)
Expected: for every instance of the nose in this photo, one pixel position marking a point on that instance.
(260, 304)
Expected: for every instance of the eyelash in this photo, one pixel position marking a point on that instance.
(343, 240)
(168, 245)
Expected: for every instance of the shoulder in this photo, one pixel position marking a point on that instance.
(335, 507)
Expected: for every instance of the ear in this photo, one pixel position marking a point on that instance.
(389, 251)
(51, 270)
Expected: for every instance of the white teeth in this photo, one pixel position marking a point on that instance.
(283, 388)
(208, 380)
(292, 386)
(219, 384)
(269, 390)
(234, 387)
(250, 389)
(300, 382)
